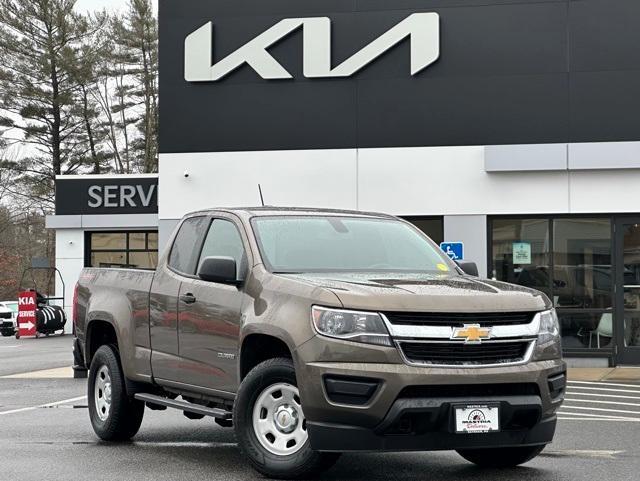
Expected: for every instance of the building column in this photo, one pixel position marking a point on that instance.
(472, 231)
(70, 262)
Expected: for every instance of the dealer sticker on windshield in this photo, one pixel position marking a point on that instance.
(477, 419)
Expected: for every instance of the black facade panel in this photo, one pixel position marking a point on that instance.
(214, 9)
(421, 4)
(605, 35)
(605, 106)
(264, 116)
(464, 111)
(503, 76)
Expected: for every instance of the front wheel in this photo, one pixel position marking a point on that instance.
(114, 416)
(270, 425)
(501, 457)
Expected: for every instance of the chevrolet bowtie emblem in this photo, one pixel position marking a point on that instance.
(472, 333)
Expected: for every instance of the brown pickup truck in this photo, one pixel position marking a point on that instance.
(316, 332)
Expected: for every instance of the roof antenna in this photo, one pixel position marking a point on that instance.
(261, 196)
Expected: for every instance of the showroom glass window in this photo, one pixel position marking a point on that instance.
(521, 252)
(134, 250)
(570, 260)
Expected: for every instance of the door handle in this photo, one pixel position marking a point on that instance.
(188, 299)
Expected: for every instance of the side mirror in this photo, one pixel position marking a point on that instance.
(222, 270)
(469, 268)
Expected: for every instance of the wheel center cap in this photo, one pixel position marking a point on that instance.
(286, 419)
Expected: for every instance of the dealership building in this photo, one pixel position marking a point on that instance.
(511, 126)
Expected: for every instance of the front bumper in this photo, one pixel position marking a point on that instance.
(328, 437)
(529, 396)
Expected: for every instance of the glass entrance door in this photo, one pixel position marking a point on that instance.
(627, 312)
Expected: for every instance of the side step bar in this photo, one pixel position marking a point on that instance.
(184, 406)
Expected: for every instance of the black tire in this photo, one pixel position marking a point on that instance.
(7, 334)
(124, 416)
(302, 464)
(501, 457)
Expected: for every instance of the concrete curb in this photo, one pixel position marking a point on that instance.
(604, 374)
(59, 373)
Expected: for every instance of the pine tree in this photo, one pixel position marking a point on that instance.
(86, 72)
(39, 45)
(137, 35)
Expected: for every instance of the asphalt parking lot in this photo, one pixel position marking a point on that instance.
(45, 434)
(27, 355)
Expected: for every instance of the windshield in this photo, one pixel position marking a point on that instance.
(346, 244)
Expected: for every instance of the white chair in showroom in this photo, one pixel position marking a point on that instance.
(604, 329)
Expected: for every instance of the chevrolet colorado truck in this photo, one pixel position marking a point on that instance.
(317, 332)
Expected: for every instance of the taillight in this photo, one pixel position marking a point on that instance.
(74, 305)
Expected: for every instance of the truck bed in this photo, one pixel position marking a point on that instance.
(119, 297)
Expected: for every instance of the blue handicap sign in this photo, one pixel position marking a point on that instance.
(455, 250)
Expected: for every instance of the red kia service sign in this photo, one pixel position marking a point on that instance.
(27, 313)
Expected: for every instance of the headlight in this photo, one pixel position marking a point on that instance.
(366, 327)
(549, 327)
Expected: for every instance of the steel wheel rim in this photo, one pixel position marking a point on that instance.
(102, 393)
(278, 420)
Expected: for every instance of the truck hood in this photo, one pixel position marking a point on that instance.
(426, 292)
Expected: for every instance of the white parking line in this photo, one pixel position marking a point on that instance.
(603, 410)
(617, 403)
(608, 420)
(598, 416)
(603, 384)
(582, 396)
(575, 393)
(48, 405)
(601, 389)
(591, 453)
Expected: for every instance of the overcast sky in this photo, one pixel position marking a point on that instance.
(84, 5)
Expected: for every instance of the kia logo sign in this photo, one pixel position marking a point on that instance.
(423, 30)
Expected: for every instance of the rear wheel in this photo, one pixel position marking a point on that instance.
(270, 425)
(114, 416)
(501, 457)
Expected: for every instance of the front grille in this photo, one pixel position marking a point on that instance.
(6, 324)
(458, 319)
(460, 354)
